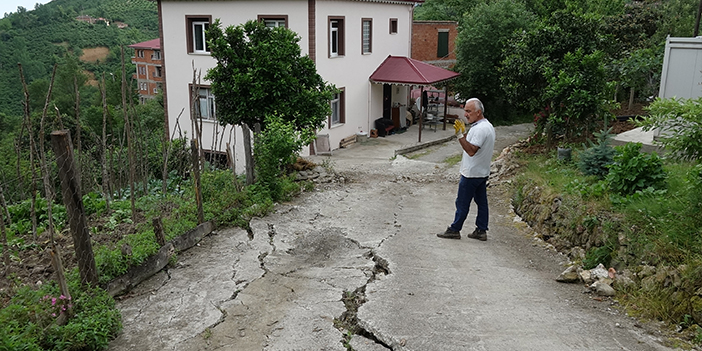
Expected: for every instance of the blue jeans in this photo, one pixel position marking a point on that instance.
(469, 189)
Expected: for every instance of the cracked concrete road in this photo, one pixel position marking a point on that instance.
(372, 239)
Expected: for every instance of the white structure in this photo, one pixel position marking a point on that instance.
(682, 68)
(347, 39)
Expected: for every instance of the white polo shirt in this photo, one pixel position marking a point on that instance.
(482, 135)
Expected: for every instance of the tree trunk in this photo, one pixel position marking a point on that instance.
(105, 174)
(130, 150)
(631, 98)
(248, 153)
(70, 188)
(196, 179)
(5, 249)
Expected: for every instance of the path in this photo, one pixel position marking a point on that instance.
(370, 242)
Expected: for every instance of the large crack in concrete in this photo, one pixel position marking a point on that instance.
(352, 300)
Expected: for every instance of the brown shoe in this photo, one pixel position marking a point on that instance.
(449, 234)
(478, 234)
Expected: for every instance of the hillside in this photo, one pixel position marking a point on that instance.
(53, 33)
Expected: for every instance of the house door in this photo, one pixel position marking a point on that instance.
(387, 100)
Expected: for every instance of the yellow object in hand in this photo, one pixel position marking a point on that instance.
(460, 127)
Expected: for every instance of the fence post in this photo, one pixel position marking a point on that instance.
(70, 189)
(196, 175)
(158, 231)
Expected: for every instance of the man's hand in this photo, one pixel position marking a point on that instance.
(459, 127)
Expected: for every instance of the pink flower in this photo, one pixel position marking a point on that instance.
(53, 315)
(53, 301)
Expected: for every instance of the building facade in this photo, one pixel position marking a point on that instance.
(149, 68)
(434, 42)
(346, 39)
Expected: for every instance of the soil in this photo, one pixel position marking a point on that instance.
(30, 261)
(94, 54)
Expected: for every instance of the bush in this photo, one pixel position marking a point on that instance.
(28, 321)
(276, 148)
(596, 159)
(634, 171)
(681, 122)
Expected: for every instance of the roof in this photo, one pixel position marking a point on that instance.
(151, 44)
(405, 70)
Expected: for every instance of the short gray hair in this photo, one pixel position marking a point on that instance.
(478, 104)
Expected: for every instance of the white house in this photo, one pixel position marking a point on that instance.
(347, 39)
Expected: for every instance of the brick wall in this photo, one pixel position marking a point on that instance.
(425, 38)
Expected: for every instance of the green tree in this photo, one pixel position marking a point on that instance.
(445, 10)
(260, 73)
(483, 35)
(529, 53)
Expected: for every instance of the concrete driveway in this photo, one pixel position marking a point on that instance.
(356, 265)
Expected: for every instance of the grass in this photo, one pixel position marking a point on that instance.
(662, 228)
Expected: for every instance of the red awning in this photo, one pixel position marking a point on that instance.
(404, 70)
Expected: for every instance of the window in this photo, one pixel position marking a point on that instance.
(196, 28)
(336, 36)
(206, 104)
(272, 21)
(442, 46)
(143, 87)
(142, 70)
(393, 26)
(158, 71)
(140, 53)
(156, 55)
(366, 35)
(338, 107)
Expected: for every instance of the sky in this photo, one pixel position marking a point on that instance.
(11, 5)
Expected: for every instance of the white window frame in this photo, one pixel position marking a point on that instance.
(366, 36)
(202, 27)
(335, 117)
(207, 99)
(156, 55)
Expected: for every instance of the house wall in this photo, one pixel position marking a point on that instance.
(363, 101)
(150, 79)
(425, 38)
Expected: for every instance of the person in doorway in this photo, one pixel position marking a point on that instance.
(477, 147)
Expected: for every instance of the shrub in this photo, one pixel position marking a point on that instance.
(28, 321)
(596, 159)
(634, 171)
(681, 122)
(276, 148)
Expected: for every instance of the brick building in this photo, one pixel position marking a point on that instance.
(434, 42)
(149, 68)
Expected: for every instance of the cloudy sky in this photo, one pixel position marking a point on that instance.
(11, 5)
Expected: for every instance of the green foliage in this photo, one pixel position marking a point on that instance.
(574, 94)
(546, 58)
(596, 159)
(27, 322)
(275, 149)
(634, 171)
(639, 70)
(483, 35)
(260, 73)
(681, 123)
(597, 255)
(444, 10)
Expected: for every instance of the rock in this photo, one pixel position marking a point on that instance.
(599, 272)
(586, 276)
(646, 271)
(624, 282)
(570, 275)
(602, 288)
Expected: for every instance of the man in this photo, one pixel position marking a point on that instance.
(477, 148)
